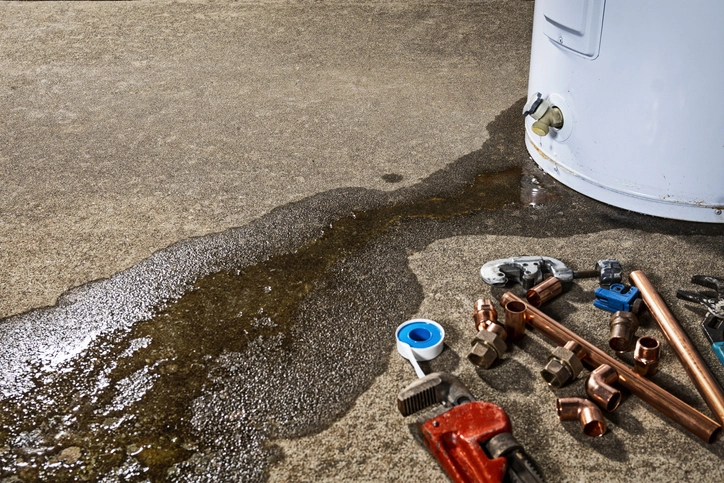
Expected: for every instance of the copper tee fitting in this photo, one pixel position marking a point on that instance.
(544, 291)
(599, 387)
(515, 320)
(623, 328)
(646, 356)
(484, 314)
(587, 413)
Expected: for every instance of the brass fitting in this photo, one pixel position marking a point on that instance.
(488, 346)
(553, 117)
(599, 387)
(623, 328)
(544, 291)
(484, 314)
(590, 417)
(515, 320)
(646, 356)
(564, 364)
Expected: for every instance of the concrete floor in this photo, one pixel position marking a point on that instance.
(133, 134)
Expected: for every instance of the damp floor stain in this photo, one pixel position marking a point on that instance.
(195, 392)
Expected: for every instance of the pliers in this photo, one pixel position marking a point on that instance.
(713, 324)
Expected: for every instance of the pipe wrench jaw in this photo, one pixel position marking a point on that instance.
(457, 439)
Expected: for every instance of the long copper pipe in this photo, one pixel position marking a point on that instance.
(668, 404)
(695, 366)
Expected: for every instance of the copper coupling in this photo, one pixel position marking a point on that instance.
(515, 320)
(646, 356)
(600, 390)
(623, 328)
(484, 314)
(587, 413)
(564, 364)
(544, 291)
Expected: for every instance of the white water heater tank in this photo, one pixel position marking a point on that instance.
(640, 88)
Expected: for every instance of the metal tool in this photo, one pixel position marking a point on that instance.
(618, 297)
(713, 324)
(531, 270)
(471, 440)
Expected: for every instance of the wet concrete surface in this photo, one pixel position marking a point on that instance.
(266, 351)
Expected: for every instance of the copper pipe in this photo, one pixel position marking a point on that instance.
(646, 356)
(599, 387)
(544, 291)
(669, 405)
(484, 314)
(590, 417)
(515, 319)
(698, 371)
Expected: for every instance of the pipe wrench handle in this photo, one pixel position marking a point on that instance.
(456, 439)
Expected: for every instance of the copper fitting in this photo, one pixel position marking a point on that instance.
(599, 387)
(590, 417)
(623, 328)
(544, 291)
(646, 356)
(484, 314)
(515, 319)
(564, 364)
(488, 346)
(668, 404)
(684, 349)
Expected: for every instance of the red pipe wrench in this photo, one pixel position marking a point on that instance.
(471, 440)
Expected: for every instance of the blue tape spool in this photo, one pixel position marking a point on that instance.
(422, 337)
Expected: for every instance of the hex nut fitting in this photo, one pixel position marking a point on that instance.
(623, 327)
(564, 365)
(646, 356)
(488, 346)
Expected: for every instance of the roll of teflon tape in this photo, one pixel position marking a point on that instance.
(421, 337)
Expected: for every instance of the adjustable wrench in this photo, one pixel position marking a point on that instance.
(471, 440)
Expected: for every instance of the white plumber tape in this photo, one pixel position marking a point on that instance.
(419, 340)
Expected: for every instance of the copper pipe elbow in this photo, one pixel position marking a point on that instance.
(544, 291)
(623, 328)
(587, 413)
(484, 314)
(599, 387)
(646, 356)
(515, 320)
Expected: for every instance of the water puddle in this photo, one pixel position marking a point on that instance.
(271, 349)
